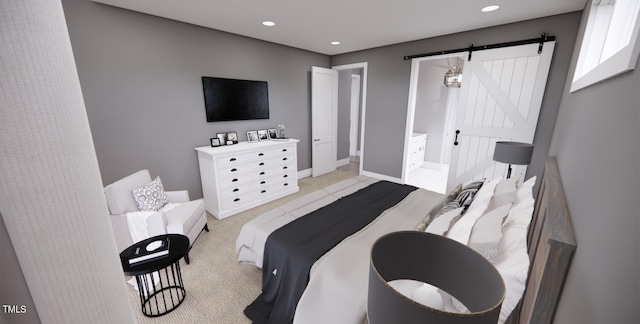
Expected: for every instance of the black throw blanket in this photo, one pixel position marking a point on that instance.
(291, 250)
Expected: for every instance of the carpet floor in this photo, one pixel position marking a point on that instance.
(217, 287)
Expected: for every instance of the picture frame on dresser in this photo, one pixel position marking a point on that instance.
(222, 137)
(273, 133)
(263, 135)
(252, 136)
(215, 142)
(233, 137)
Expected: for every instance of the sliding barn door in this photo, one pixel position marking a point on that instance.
(500, 100)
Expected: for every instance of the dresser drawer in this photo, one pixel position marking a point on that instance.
(235, 201)
(229, 161)
(234, 191)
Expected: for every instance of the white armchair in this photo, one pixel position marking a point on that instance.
(189, 218)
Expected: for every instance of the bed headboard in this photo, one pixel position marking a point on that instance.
(552, 244)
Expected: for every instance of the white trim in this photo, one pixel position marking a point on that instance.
(343, 162)
(363, 90)
(305, 173)
(624, 60)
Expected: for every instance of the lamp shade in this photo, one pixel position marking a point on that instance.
(513, 153)
(442, 262)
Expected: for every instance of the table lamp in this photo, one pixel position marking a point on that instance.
(513, 153)
(441, 262)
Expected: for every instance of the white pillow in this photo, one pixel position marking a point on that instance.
(461, 230)
(487, 232)
(150, 197)
(428, 295)
(512, 260)
(442, 223)
(505, 192)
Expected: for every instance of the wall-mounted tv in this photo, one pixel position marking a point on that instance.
(231, 99)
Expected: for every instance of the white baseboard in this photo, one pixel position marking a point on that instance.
(343, 162)
(382, 177)
(304, 173)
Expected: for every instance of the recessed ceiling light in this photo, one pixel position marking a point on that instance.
(490, 8)
(268, 23)
(335, 43)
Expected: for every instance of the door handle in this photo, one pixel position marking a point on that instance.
(456, 139)
(316, 140)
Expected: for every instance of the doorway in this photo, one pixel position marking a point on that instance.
(431, 123)
(500, 100)
(352, 94)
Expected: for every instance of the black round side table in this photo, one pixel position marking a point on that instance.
(159, 278)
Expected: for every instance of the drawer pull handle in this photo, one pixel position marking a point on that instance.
(260, 154)
(234, 170)
(284, 159)
(284, 150)
(263, 191)
(237, 199)
(262, 173)
(234, 180)
(285, 167)
(263, 182)
(232, 159)
(261, 164)
(286, 175)
(236, 190)
(286, 184)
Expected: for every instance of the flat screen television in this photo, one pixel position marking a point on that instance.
(231, 99)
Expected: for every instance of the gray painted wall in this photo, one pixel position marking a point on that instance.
(388, 86)
(141, 79)
(597, 144)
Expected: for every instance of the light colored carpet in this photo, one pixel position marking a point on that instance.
(218, 288)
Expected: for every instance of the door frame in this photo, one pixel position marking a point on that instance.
(363, 103)
(411, 105)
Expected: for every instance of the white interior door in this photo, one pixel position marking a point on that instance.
(324, 120)
(500, 100)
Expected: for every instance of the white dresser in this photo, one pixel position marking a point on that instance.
(245, 175)
(417, 150)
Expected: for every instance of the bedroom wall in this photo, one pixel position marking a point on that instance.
(141, 80)
(597, 144)
(388, 86)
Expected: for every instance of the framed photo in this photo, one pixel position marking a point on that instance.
(222, 137)
(214, 141)
(263, 135)
(273, 134)
(233, 137)
(252, 136)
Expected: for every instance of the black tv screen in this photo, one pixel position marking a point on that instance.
(231, 99)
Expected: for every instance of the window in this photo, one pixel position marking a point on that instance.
(610, 44)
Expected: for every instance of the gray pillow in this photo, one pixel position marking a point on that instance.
(150, 197)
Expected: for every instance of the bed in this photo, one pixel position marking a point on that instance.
(336, 281)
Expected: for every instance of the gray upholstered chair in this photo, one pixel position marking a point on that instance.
(188, 219)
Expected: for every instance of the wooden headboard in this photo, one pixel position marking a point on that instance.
(552, 244)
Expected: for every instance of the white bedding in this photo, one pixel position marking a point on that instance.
(253, 235)
(338, 281)
(337, 289)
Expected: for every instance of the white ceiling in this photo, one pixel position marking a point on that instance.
(357, 24)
